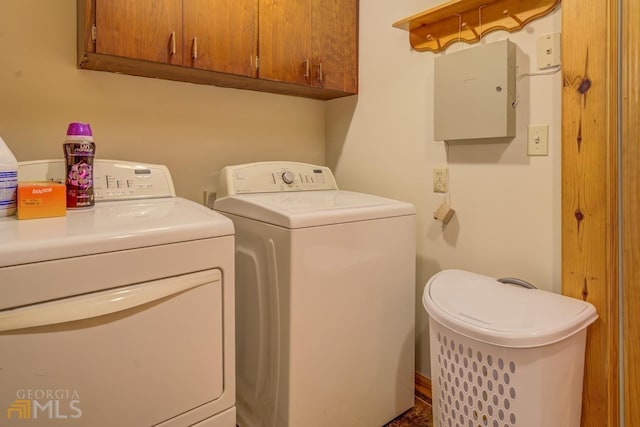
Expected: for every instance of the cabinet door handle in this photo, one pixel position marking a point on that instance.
(194, 52)
(172, 43)
(320, 72)
(306, 68)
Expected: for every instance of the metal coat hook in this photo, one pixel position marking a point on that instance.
(514, 17)
(480, 20)
(473, 30)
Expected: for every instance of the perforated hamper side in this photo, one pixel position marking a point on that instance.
(477, 384)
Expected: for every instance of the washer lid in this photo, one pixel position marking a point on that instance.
(107, 227)
(312, 208)
(481, 308)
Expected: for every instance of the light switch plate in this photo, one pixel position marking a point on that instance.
(538, 140)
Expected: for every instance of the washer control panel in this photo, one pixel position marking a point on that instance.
(274, 177)
(112, 179)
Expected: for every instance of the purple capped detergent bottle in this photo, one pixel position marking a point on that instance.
(79, 151)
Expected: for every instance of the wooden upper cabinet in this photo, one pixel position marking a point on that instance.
(221, 35)
(310, 42)
(143, 29)
(305, 48)
(285, 41)
(335, 45)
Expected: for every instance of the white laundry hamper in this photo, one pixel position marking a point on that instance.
(503, 355)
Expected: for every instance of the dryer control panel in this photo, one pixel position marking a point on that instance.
(112, 179)
(274, 177)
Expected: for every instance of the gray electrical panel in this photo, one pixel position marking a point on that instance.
(474, 93)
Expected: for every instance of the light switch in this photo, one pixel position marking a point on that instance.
(538, 140)
(548, 50)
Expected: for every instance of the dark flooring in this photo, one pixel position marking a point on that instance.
(418, 416)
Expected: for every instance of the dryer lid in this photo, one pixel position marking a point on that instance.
(107, 227)
(312, 208)
(481, 308)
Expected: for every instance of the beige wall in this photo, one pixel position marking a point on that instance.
(507, 220)
(194, 129)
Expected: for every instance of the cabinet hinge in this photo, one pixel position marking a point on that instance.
(93, 33)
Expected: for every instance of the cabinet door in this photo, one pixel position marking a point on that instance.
(335, 45)
(285, 40)
(143, 29)
(221, 35)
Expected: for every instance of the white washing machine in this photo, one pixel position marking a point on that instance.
(325, 292)
(121, 314)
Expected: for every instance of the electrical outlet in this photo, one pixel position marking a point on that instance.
(208, 197)
(440, 180)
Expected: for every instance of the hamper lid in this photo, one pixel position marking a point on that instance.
(482, 308)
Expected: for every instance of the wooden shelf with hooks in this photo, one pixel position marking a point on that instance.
(469, 20)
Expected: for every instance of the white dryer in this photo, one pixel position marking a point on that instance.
(121, 314)
(325, 298)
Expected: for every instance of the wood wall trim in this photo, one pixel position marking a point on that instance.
(589, 192)
(423, 388)
(630, 170)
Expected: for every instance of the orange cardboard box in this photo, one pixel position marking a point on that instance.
(41, 199)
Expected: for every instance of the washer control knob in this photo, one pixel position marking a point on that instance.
(288, 177)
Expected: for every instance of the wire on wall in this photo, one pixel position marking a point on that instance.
(556, 68)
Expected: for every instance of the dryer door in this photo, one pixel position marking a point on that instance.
(130, 356)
